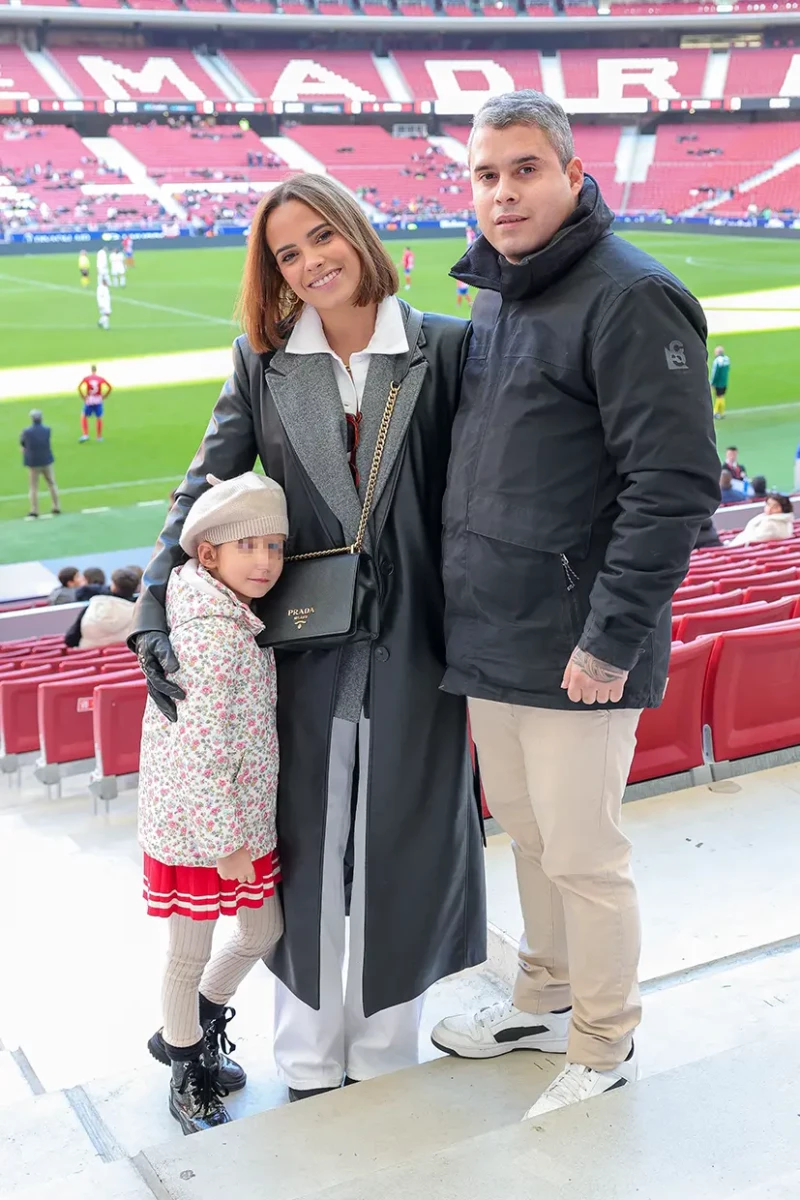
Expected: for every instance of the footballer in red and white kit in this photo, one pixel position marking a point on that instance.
(93, 390)
(408, 266)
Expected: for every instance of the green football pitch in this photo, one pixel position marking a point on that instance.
(114, 493)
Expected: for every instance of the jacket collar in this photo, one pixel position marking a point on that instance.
(389, 336)
(218, 598)
(483, 267)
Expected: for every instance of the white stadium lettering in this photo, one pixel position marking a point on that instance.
(791, 84)
(7, 91)
(303, 77)
(444, 74)
(653, 74)
(115, 79)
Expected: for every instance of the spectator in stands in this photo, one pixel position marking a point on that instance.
(728, 493)
(774, 524)
(94, 585)
(107, 618)
(583, 466)
(69, 582)
(737, 470)
(758, 488)
(218, 766)
(37, 456)
(138, 573)
(319, 297)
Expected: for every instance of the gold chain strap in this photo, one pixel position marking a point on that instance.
(380, 446)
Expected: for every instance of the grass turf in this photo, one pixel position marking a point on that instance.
(183, 300)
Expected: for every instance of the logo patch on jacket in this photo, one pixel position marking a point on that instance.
(676, 356)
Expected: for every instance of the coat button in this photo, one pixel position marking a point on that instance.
(382, 654)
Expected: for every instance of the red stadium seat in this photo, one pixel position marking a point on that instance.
(66, 732)
(743, 616)
(692, 591)
(750, 704)
(764, 579)
(118, 712)
(772, 591)
(669, 738)
(19, 721)
(27, 672)
(707, 603)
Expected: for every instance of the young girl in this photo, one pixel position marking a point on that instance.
(208, 785)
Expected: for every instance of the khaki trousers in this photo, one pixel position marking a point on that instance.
(50, 479)
(554, 781)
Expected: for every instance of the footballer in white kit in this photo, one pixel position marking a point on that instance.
(102, 265)
(103, 305)
(117, 260)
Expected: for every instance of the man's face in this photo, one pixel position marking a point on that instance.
(731, 457)
(522, 193)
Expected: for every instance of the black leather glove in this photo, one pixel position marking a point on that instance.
(156, 658)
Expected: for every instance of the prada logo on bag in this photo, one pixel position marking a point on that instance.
(300, 615)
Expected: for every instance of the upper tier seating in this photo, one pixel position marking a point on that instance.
(174, 155)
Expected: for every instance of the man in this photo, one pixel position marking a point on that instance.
(93, 389)
(738, 470)
(583, 466)
(408, 266)
(720, 370)
(69, 581)
(103, 295)
(728, 492)
(83, 268)
(127, 250)
(37, 456)
(102, 265)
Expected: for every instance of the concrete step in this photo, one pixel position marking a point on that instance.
(101, 1181)
(42, 1141)
(721, 1128)
(14, 1087)
(302, 1148)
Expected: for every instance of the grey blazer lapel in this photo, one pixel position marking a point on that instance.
(381, 374)
(310, 408)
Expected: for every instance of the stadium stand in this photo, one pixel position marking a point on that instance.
(123, 74)
(633, 73)
(189, 153)
(670, 739)
(455, 75)
(742, 616)
(21, 80)
(394, 174)
(695, 163)
(279, 75)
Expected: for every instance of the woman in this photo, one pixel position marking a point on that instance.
(772, 525)
(374, 762)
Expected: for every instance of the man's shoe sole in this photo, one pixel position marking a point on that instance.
(556, 1046)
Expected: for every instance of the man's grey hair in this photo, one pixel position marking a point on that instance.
(36, 415)
(527, 107)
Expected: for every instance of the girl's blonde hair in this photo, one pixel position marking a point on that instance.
(267, 308)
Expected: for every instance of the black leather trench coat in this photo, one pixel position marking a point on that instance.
(425, 901)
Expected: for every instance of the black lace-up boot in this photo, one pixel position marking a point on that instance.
(214, 1019)
(195, 1095)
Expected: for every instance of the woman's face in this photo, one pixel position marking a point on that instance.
(319, 265)
(773, 507)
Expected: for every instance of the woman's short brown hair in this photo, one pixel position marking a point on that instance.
(267, 308)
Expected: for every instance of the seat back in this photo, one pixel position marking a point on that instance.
(669, 738)
(707, 603)
(771, 591)
(66, 732)
(117, 722)
(750, 703)
(19, 713)
(743, 616)
(692, 591)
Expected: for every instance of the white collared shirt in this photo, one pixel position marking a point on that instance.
(308, 337)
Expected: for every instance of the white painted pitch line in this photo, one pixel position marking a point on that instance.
(73, 291)
(150, 503)
(103, 487)
(106, 508)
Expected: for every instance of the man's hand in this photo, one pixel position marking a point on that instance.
(238, 865)
(588, 680)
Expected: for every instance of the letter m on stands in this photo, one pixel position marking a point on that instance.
(115, 80)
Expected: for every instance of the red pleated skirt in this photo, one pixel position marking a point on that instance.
(200, 893)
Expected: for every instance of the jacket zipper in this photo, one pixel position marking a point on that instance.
(569, 574)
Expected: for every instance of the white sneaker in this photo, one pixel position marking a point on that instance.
(577, 1083)
(501, 1028)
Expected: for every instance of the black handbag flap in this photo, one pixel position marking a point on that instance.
(312, 599)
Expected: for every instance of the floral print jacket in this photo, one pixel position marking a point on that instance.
(208, 782)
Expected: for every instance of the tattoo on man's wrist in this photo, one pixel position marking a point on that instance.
(596, 669)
